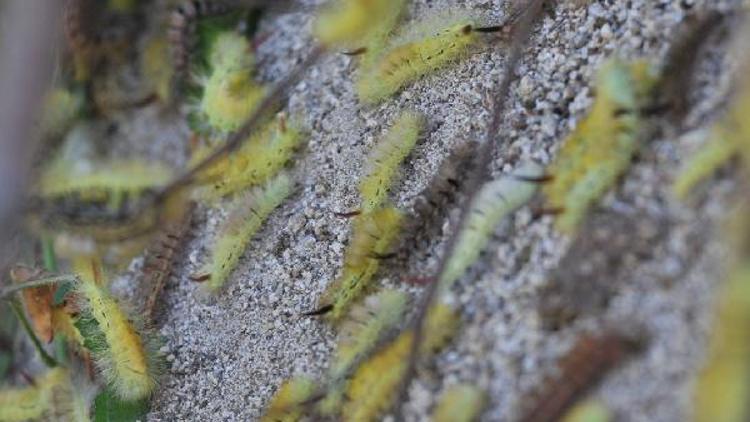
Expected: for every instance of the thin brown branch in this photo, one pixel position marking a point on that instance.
(520, 36)
(275, 95)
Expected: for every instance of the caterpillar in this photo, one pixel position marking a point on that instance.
(245, 219)
(32, 402)
(160, 259)
(383, 160)
(407, 60)
(432, 204)
(590, 359)
(601, 147)
(722, 385)
(229, 92)
(460, 403)
(727, 139)
(359, 334)
(495, 200)
(373, 386)
(261, 157)
(286, 405)
(373, 235)
(353, 22)
(119, 351)
(588, 411)
(182, 28)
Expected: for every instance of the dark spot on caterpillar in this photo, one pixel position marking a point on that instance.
(347, 214)
(200, 278)
(488, 29)
(383, 256)
(355, 52)
(320, 311)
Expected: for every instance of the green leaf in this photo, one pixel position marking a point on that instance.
(60, 293)
(109, 408)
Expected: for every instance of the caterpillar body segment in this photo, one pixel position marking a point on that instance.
(402, 64)
(287, 403)
(364, 327)
(258, 160)
(460, 403)
(601, 147)
(374, 385)
(373, 235)
(495, 200)
(247, 217)
(119, 351)
(35, 401)
(230, 94)
(722, 385)
(385, 157)
(355, 22)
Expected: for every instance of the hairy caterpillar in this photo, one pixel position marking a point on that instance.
(601, 147)
(588, 411)
(32, 402)
(131, 177)
(591, 358)
(161, 258)
(703, 164)
(182, 28)
(494, 201)
(722, 387)
(229, 92)
(286, 403)
(260, 158)
(359, 334)
(383, 160)
(728, 138)
(352, 22)
(433, 203)
(373, 386)
(244, 221)
(119, 350)
(373, 235)
(460, 403)
(406, 61)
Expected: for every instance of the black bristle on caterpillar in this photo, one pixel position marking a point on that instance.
(433, 204)
(161, 257)
(581, 369)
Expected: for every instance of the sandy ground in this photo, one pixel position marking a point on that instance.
(226, 357)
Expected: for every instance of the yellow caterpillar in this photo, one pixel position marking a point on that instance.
(33, 402)
(353, 22)
(373, 386)
(229, 92)
(285, 405)
(495, 200)
(406, 61)
(373, 235)
(601, 147)
(728, 138)
(246, 218)
(460, 403)
(385, 157)
(121, 357)
(260, 158)
(364, 326)
(724, 384)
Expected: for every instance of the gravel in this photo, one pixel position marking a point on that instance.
(227, 356)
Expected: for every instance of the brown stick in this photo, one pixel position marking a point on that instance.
(520, 36)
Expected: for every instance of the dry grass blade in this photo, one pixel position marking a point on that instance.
(520, 36)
